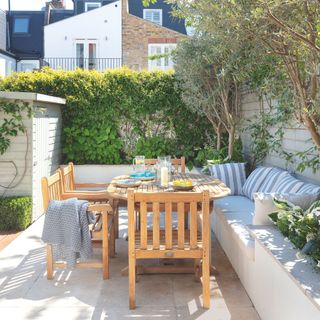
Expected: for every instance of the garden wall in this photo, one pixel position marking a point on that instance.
(36, 153)
(296, 138)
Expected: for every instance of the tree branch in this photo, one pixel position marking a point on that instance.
(294, 33)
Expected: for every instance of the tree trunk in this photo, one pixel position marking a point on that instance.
(219, 135)
(309, 124)
(232, 135)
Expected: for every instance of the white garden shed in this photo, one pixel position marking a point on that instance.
(35, 153)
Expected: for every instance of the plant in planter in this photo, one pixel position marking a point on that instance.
(301, 228)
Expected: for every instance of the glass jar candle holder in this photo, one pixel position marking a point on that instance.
(163, 171)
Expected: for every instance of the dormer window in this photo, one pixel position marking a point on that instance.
(92, 5)
(153, 15)
(21, 25)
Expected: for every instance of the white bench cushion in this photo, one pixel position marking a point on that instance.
(237, 212)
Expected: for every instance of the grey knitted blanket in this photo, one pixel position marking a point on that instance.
(66, 228)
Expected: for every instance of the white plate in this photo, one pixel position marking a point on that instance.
(127, 183)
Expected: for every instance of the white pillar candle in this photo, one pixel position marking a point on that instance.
(164, 177)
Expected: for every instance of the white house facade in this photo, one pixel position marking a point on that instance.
(90, 40)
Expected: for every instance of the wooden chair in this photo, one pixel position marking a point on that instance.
(169, 243)
(177, 163)
(52, 189)
(70, 185)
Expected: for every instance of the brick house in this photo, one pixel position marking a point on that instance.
(142, 38)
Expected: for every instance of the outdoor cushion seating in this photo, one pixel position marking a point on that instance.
(232, 174)
(236, 212)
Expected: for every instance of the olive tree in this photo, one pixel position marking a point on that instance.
(287, 30)
(211, 78)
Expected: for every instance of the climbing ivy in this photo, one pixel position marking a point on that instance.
(12, 121)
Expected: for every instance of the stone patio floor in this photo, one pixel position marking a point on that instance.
(25, 293)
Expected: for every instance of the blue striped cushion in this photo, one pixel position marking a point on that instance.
(310, 188)
(288, 184)
(255, 180)
(232, 174)
(275, 175)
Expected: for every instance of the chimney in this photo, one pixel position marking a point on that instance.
(53, 4)
(57, 4)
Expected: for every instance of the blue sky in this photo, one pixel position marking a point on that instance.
(28, 4)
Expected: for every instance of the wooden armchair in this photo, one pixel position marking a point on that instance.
(179, 164)
(98, 196)
(179, 243)
(52, 189)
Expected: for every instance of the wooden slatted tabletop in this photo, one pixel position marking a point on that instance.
(217, 189)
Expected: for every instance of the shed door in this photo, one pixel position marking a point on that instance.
(41, 157)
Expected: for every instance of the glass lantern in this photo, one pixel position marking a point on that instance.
(163, 171)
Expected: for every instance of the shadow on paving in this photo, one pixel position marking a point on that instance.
(82, 294)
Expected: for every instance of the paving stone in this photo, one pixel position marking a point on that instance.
(25, 293)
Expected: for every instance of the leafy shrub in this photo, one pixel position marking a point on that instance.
(15, 213)
(301, 228)
(111, 116)
(211, 155)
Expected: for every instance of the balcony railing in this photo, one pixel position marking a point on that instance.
(68, 64)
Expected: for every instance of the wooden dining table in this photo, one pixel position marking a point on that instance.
(217, 189)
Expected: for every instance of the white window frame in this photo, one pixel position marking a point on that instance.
(86, 43)
(159, 64)
(89, 3)
(145, 11)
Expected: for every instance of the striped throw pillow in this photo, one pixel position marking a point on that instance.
(232, 174)
(275, 175)
(310, 188)
(255, 180)
(288, 184)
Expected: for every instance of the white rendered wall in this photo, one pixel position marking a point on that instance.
(104, 173)
(102, 24)
(296, 138)
(276, 295)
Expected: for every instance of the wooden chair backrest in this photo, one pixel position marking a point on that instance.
(177, 163)
(52, 189)
(168, 201)
(68, 180)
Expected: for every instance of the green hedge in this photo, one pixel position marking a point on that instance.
(15, 213)
(112, 116)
